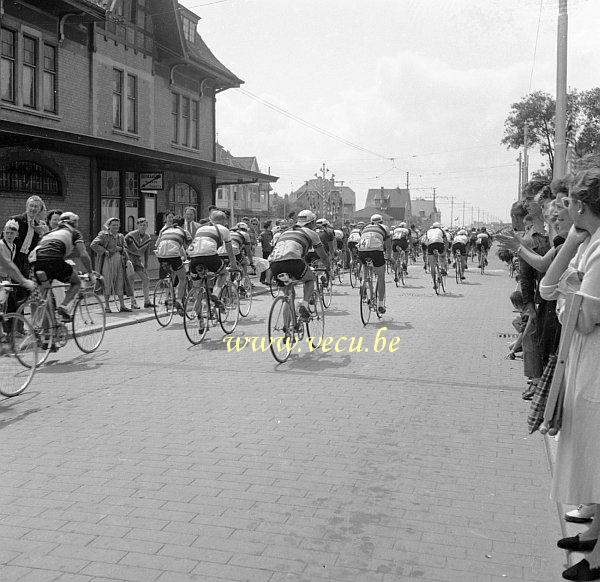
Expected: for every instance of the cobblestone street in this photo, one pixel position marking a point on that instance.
(155, 460)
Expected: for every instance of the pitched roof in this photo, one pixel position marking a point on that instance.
(99, 3)
(200, 53)
(398, 197)
(368, 211)
(348, 195)
(420, 205)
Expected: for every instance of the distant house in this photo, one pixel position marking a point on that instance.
(366, 213)
(424, 213)
(326, 198)
(248, 199)
(393, 201)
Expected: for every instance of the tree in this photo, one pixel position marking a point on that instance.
(537, 111)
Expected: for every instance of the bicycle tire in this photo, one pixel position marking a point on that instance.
(340, 274)
(88, 323)
(43, 327)
(457, 269)
(164, 302)
(315, 326)
(273, 287)
(245, 296)
(397, 274)
(196, 321)
(18, 354)
(365, 308)
(326, 292)
(482, 265)
(352, 275)
(282, 321)
(442, 282)
(229, 314)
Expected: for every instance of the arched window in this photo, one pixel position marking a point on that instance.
(23, 177)
(182, 195)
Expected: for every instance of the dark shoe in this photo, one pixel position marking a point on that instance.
(125, 310)
(304, 313)
(135, 306)
(63, 313)
(218, 303)
(107, 310)
(148, 304)
(381, 310)
(583, 514)
(444, 273)
(573, 544)
(581, 571)
(462, 278)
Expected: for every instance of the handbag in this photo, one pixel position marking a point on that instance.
(129, 268)
(540, 396)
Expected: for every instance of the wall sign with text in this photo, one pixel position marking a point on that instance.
(151, 180)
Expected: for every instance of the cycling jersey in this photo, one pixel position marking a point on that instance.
(461, 238)
(295, 244)
(483, 238)
(327, 236)
(57, 244)
(373, 238)
(354, 236)
(239, 240)
(400, 233)
(209, 238)
(435, 235)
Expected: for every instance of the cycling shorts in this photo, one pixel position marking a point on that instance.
(55, 270)
(462, 247)
(377, 257)
(295, 268)
(399, 243)
(175, 263)
(213, 263)
(436, 246)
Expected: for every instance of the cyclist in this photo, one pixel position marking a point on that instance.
(242, 246)
(327, 235)
(483, 242)
(400, 242)
(423, 241)
(459, 243)
(437, 241)
(170, 251)
(52, 250)
(472, 239)
(290, 253)
(204, 250)
(354, 239)
(375, 245)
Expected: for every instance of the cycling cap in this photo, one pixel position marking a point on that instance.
(436, 225)
(305, 217)
(376, 218)
(402, 225)
(242, 226)
(462, 231)
(68, 218)
(339, 234)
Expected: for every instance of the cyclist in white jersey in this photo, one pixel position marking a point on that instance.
(437, 241)
(400, 242)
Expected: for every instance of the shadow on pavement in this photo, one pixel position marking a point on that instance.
(314, 362)
(7, 403)
(22, 416)
(335, 312)
(209, 344)
(396, 326)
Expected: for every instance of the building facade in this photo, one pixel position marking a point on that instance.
(107, 108)
(424, 213)
(326, 199)
(250, 200)
(393, 201)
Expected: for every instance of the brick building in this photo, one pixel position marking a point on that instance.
(107, 108)
(393, 201)
(327, 199)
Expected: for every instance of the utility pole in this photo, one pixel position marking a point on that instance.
(463, 220)
(478, 212)
(434, 212)
(525, 177)
(451, 210)
(472, 208)
(520, 186)
(407, 181)
(560, 132)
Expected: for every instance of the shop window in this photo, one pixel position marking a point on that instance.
(24, 177)
(110, 192)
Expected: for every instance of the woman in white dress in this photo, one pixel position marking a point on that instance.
(576, 476)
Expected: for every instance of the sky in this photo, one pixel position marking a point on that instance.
(417, 86)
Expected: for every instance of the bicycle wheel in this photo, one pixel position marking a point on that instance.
(482, 265)
(434, 276)
(340, 274)
(352, 275)
(326, 291)
(164, 302)
(273, 287)
(281, 329)
(315, 327)
(195, 322)
(18, 354)
(397, 270)
(457, 273)
(230, 312)
(36, 313)
(245, 293)
(365, 307)
(89, 322)
(442, 282)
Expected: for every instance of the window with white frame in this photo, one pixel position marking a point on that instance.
(189, 29)
(185, 116)
(125, 98)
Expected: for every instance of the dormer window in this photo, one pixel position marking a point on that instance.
(189, 29)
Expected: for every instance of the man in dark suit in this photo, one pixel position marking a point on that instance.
(190, 224)
(31, 229)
